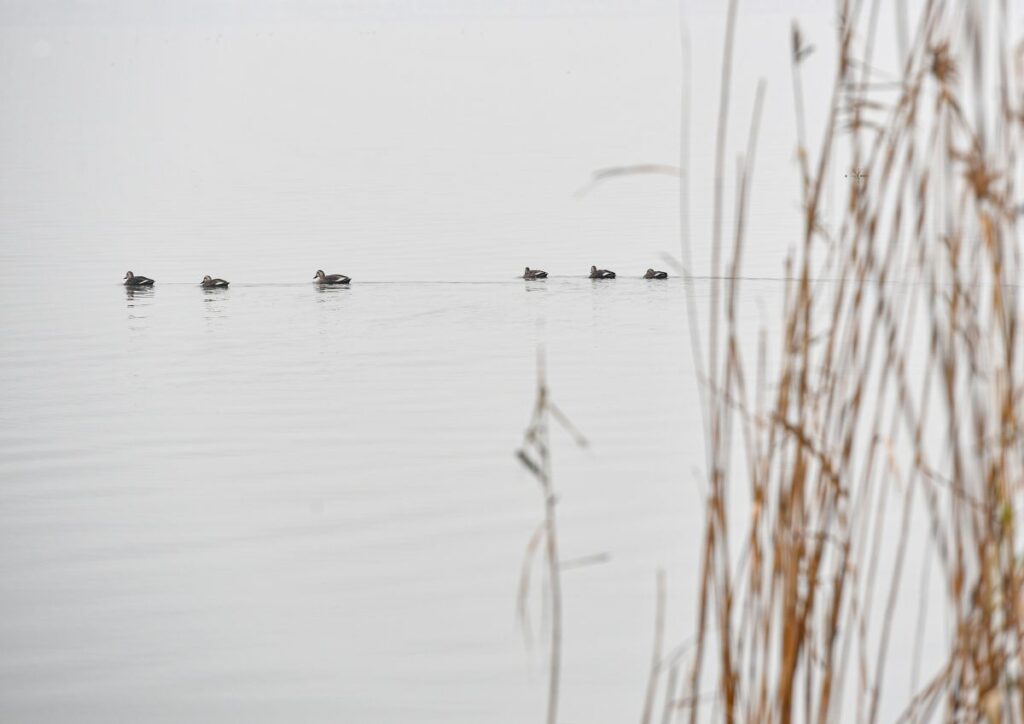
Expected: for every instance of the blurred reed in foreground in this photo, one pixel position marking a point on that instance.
(888, 407)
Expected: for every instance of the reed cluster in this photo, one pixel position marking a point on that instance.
(892, 406)
(887, 412)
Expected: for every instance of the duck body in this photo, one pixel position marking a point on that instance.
(655, 274)
(211, 283)
(529, 273)
(322, 278)
(130, 280)
(596, 273)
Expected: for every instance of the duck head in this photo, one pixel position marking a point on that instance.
(128, 276)
(207, 279)
(319, 274)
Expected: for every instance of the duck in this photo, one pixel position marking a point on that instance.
(655, 274)
(130, 280)
(596, 273)
(322, 278)
(529, 273)
(211, 283)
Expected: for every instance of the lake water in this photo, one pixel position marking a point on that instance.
(280, 501)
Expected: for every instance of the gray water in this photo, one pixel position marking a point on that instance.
(281, 501)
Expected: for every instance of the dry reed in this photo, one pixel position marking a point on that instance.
(897, 393)
(535, 456)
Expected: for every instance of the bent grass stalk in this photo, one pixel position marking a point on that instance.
(535, 456)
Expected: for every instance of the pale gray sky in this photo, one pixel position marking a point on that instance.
(417, 136)
(276, 11)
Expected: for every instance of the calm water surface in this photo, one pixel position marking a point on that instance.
(278, 501)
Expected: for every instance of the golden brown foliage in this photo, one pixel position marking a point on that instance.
(893, 408)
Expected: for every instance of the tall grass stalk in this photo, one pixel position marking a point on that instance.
(889, 403)
(535, 456)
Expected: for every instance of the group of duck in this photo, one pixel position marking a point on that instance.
(137, 280)
(595, 273)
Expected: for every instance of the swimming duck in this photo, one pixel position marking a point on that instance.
(654, 274)
(529, 273)
(211, 283)
(596, 273)
(130, 280)
(322, 278)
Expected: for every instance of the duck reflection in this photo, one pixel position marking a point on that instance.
(215, 302)
(331, 299)
(138, 296)
(330, 292)
(137, 300)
